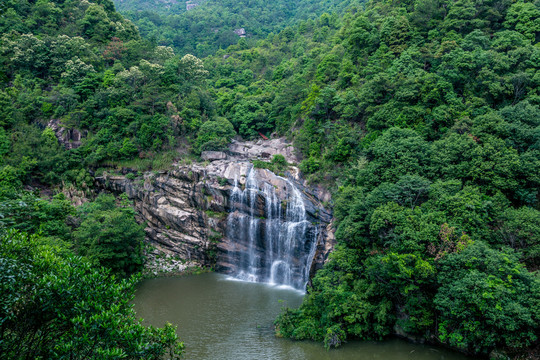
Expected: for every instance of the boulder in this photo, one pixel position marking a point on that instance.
(264, 149)
(213, 155)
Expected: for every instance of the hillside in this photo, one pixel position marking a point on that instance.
(153, 5)
(85, 69)
(422, 117)
(425, 115)
(75, 71)
(211, 26)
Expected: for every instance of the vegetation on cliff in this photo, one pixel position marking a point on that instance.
(426, 115)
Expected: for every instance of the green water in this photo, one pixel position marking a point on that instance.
(222, 319)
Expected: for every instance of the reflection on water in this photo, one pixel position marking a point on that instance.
(220, 319)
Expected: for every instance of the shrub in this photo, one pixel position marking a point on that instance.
(487, 299)
(214, 135)
(110, 236)
(59, 306)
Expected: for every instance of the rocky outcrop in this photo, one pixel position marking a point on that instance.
(240, 32)
(159, 264)
(192, 4)
(213, 155)
(187, 208)
(263, 149)
(69, 138)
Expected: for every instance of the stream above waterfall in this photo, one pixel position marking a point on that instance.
(221, 319)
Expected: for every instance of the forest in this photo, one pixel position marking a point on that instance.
(203, 30)
(421, 116)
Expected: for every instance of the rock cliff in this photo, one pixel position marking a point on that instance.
(187, 209)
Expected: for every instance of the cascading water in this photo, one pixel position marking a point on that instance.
(272, 240)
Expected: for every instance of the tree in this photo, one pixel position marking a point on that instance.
(96, 24)
(57, 307)
(186, 72)
(26, 212)
(214, 135)
(407, 279)
(339, 305)
(110, 236)
(524, 17)
(5, 144)
(520, 229)
(487, 299)
(114, 50)
(396, 153)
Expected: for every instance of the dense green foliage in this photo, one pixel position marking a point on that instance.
(55, 304)
(214, 135)
(60, 64)
(25, 211)
(109, 236)
(104, 232)
(278, 164)
(423, 116)
(340, 83)
(82, 67)
(61, 307)
(412, 255)
(427, 116)
(487, 298)
(210, 26)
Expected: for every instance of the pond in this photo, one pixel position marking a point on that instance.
(219, 318)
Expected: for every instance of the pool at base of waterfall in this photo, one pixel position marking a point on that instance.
(221, 318)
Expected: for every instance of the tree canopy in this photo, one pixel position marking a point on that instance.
(422, 117)
(62, 307)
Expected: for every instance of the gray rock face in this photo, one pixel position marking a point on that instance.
(240, 32)
(263, 149)
(187, 209)
(69, 138)
(213, 155)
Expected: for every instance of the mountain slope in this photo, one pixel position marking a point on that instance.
(424, 115)
(84, 68)
(210, 26)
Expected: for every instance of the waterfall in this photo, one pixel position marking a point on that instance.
(272, 239)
